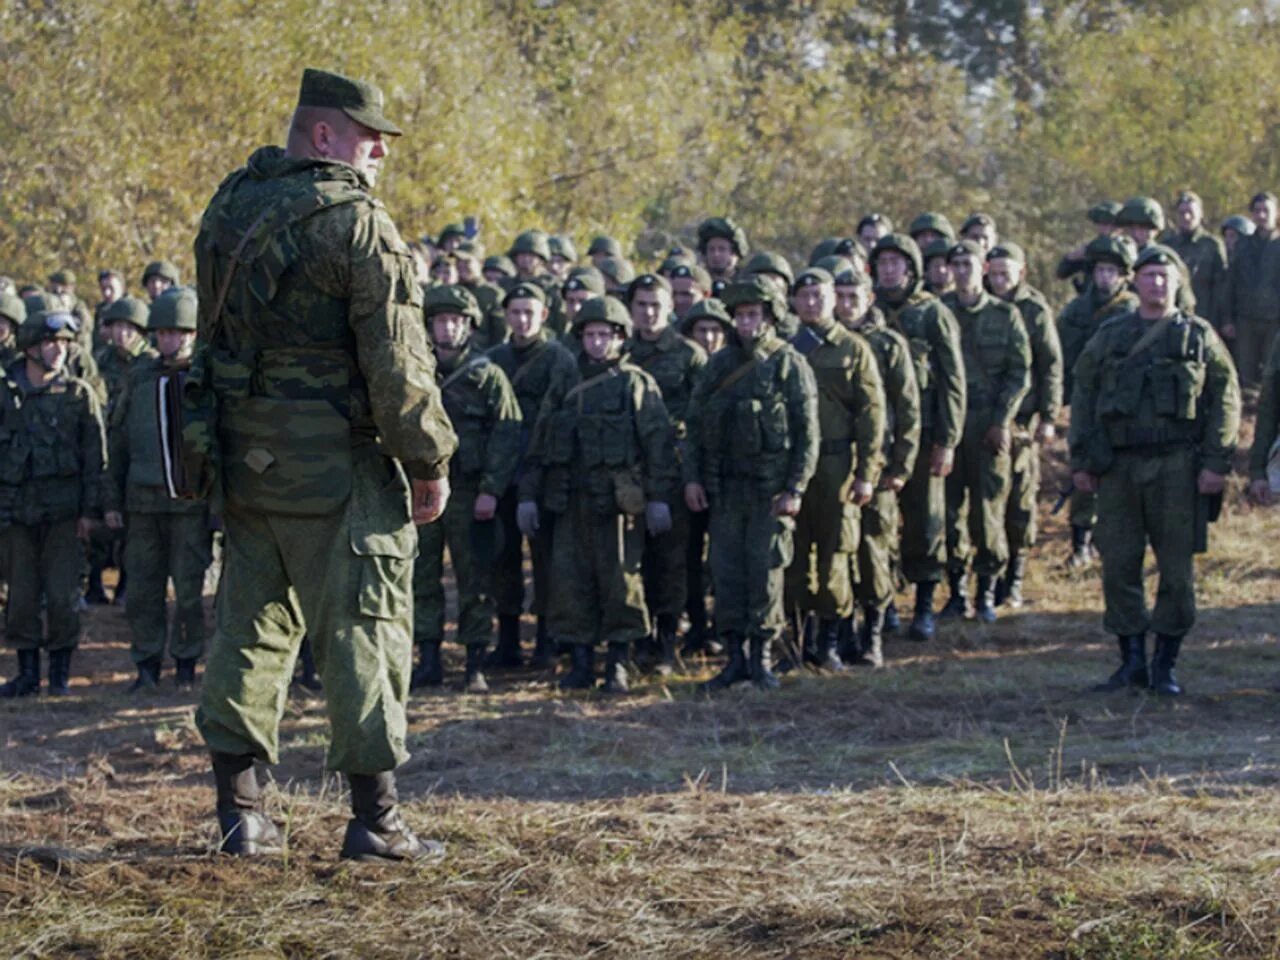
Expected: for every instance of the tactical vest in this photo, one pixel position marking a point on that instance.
(746, 426)
(146, 463)
(40, 464)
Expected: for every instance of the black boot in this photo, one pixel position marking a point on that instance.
(1133, 666)
(1081, 547)
(807, 633)
(892, 622)
(847, 635)
(506, 656)
(871, 643)
(430, 671)
(377, 833)
(1162, 660)
(923, 623)
(957, 605)
(695, 639)
(148, 675)
(829, 646)
(666, 645)
(307, 676)
(985, 610)
(544, 651)
(244, 829)
(120, 598)
(1009, 589)
(762, 675)
(615, 668)
(94, 595)
(184, 673)
(735, 671)
(474, 681)
(59, 672)
(26, 682)
(582, 668)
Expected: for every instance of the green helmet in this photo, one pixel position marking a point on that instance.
(708, 309)
(1104, 213)
(584, 278)
(603, 310)
(936, 248)
(178, 308)
(903, 244)
(40, 300)
(936, 222)
(1119, 250)
(451, 298)
(1141, 212)
(500, 263)
(40, 326)
(726, 229)
(450, 231)
(531, 241)
(765, 262)
(12, 308)
(604, 245)
(64, 276)
(163, 269)
(471, 249)
(561, 245)
(754, 289)
(620, 271)
(1241, 225)
(824, 248)
(131, 309)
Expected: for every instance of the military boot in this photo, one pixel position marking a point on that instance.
(957, 605)
(695, 639)
(985, 610)
(184, 673)
(26, 682)
(615, 668)
(60, 672)
(474, 681)
(1081, 547)
(244, 829)
(1162, 660)
(892, 622)
(848, 639)
(871, 642)
(544, 651)
(307, 677)
(506, 655)
(923, 623)
(94, 594)
(121, 596)
(829, 646)
(430, 671)
(1133, 666)
(148, 675)
(735, 671)
(582, 668)
(807, 633)
(666, 645)
(377, 833)
(762, 675)
(1009, 586)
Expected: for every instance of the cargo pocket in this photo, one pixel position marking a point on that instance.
(384, 538)
(1188, 385)
(746, 439)
(781, 544)
(775, 434)
(847, 542)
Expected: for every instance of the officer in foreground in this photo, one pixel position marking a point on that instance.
(331, 443)
(1154, 419)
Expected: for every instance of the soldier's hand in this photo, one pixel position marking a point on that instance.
(84, 527)
(1210, 483)
(429, 499)
(786, 505)
(527, 517)
(657, 517)
(1228, 331)
(861, 493)
(1084, 481)
(941, 460)
(114, 519)
(1045, 432)
(1260, 492)
(695, 497)
(997, 438)
(893, 482)
(486, 506)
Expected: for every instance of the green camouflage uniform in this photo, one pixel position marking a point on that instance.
(486, 417)
(321, 375)
(114, 366)
(1253, 301)
(493, 321)
(997, 363)
(1206, 261)
(1267, 428)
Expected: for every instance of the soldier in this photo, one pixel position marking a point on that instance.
(601, 459)
(1203, 254)
(618, 274)
(1234, 229)
(535, 364)
(111, 287)
(1264, 457)
(997, 364)
(674, 363)
(931, 332)
(53, 451)
(499, 271)
(981, 229)
(322, 375)
(80, 362)
(871, 229)
(689, 285)
(753, 428)
(851, 416)
(1107, 294)
(722, 245)
(444, 270)
(12, 314)
(604, 246)
(708, 325)
(1075, 265)
(1252, 311)
(776, 270)
(62, 283)
(167, 538)
(158, 276)
(486, 417)
(582, 284)
(452, 235)
(1037, 416)
(878, 544)
(563, 255)
(468, 255)
(937, 268)
(929, 228)
(1154, 419)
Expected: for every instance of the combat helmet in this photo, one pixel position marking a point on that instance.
(903, 244)
(451, 298)
(726, 229)
(1119, 250)
(708, 309)
(767, 262)
(1141, 212)
(754, 289)
(40, 326)
(531, 241)
(178, 308)
(603, 310)
(131, 310)
(936, 222)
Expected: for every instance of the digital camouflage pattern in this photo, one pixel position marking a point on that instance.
(1205, 257)
(1253, 300)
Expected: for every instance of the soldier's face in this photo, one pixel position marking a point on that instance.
(892, 270)
(558, 266)
(355, 144)
(111, 288)
(124, 334)
(650, 309)
(926, 237)
(1264, 214)
(851, 303)
(59, 289)
(1156, 284)
(870, 233)
(1230, 237)
(749, 321)
(1004, 275)
(709, 334)
(719, 255)
(938, 272)
(525, 317)
(684, 294)
(1139, 235)
(444, 271)
(51, 354)
(1189, 215)
(967, 269)
(601, 341)
(528, 264)
(1107, 277)
(467, 269)
(175, 344)
(494, 276)
(573, 301)
(449, 331)
(157, 285)
(814, 302)
(983, 235)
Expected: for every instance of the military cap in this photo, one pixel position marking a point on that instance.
(451, 230)
(1104, 213)
(936, 222)
(811, 277)
(177, 308)
(1158, 253)
(647, 281)
(106, 272)
(900, 243)
(875, 219)
(603, 310)
(620, 271)
(846, 273)
(531, 241)
(963, 248)
(52, 325)
(753, 289)
(1141, 212)
(1007, 250)
(131, 310)
(472, 249)
(561, 245)
(360, 101)
(977, 220)
(163, 269)
(451, 298)
(604, 246)
(848, 247)
(725, 229)
(766, 262)
(525, 291)
(1119, 250)
(63, 276)
(12, 308)
(1241, 225)
(833, 264)
(708, 309)
(823, 249)
(1264, 196)
(585, 278)
(937, 248)
(691, 271)
(500, 263)
(1188, 196)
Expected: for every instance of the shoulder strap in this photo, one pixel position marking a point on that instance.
(1152, 333)
(582, 387)
(462, 370)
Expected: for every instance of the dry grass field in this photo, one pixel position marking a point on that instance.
(971, 800)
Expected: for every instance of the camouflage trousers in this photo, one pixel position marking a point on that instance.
(923, 503)
(598, 595)
(473, 576)
(666, 564)
(826, 536)
(750, 552)
(977, 492)
(42, 562)
(1024, 490)
(875, 581)
(344, 579)
(1146, 498)
(161, 546)
(508, 578)
(1252, 347)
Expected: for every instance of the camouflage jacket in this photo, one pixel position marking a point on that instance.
(114, 366)
(997, 359)
(1080, 320)
(1253, 281)
(1206, 260)
(674, 362)
(493, 322)
(536, 370)
(1043, 402)
(1267, 428)
(486, 417)
(931, 332)
(902, 396)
